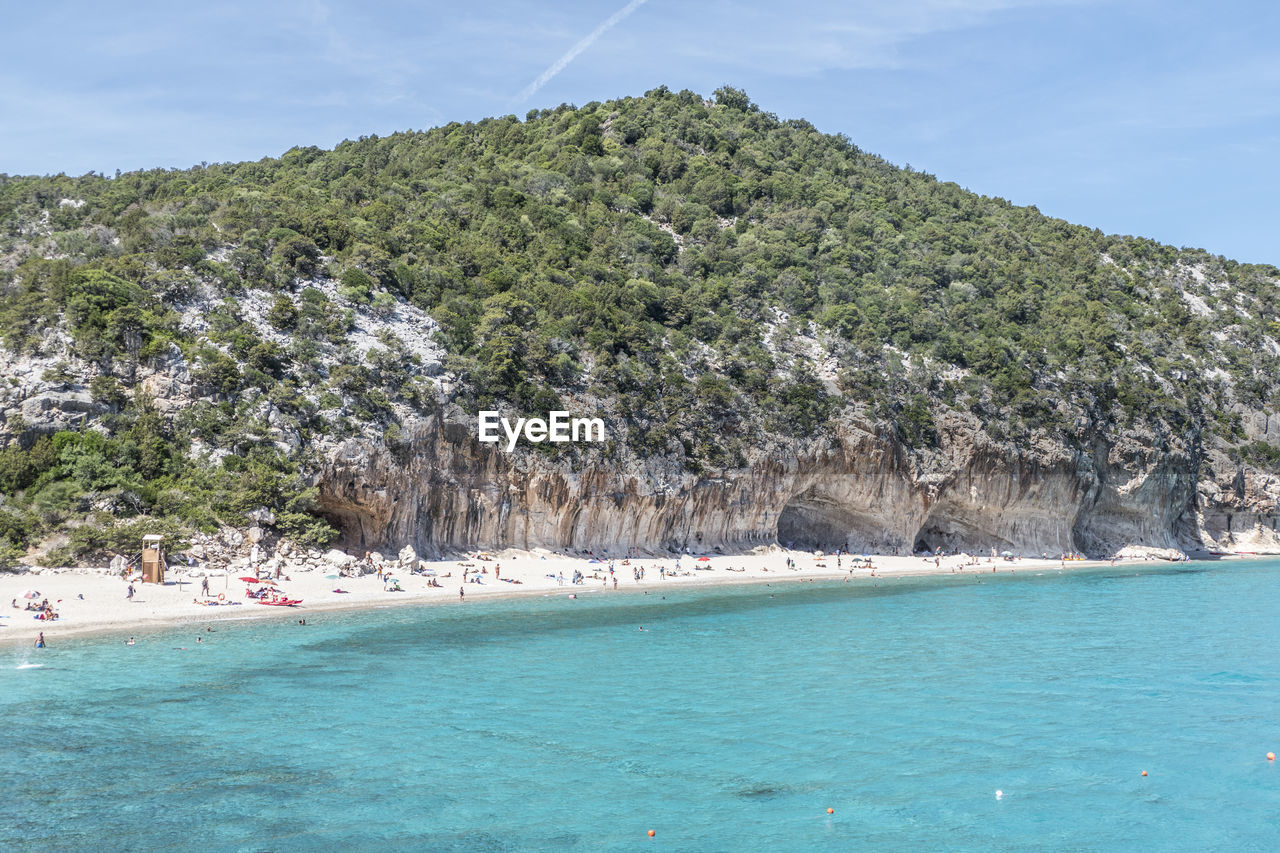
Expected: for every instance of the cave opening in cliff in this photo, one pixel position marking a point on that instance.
(350, 536)
(352, 526)
(946, 532)
(810, 522)
(941, 533)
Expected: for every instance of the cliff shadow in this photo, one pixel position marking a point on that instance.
(956, 535)
(814, 520)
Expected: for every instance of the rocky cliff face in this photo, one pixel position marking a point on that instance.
(1234, 510)
(445, 491)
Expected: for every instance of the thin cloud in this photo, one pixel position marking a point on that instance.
(810, 37)
(559, 65)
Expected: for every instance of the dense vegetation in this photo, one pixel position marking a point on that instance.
(685, 264)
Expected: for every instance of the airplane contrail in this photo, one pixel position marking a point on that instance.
(559, 65)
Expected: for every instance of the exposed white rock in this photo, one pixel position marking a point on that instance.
(338, 558)
(408, 558)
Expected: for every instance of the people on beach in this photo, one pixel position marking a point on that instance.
(40, 641)
(462, 593)
(129, 593)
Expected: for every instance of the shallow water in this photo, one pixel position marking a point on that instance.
(731, 722)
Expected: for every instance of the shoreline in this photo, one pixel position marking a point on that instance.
(93, 603)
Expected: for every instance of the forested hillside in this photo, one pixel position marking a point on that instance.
(714, 279)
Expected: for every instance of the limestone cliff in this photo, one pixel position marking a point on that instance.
(445, 491)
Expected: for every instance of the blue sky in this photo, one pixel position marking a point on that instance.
(1136, 117)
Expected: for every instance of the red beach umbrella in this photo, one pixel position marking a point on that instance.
(249, 580)
(704, 559)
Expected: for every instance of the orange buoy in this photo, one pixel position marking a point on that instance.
(831, 811)
(1144, 773)
(652, 833)
(1271, 756)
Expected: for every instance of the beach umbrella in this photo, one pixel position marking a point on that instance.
(1006, 553)
(704, 559)
(31, 593)
(249, 580)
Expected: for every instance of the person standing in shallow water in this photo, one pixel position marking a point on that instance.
(462, 593)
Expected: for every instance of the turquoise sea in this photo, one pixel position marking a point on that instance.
(731, 722)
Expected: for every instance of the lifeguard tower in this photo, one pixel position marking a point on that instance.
(152, 558)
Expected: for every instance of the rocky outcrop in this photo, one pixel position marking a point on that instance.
(54, 410)
(1236, 509)
(444, 491)
(43, 396)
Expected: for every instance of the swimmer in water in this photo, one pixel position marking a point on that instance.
(130, 643)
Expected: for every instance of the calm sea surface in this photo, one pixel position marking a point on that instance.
(732, 722)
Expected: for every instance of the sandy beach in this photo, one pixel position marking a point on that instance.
(92, 601)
